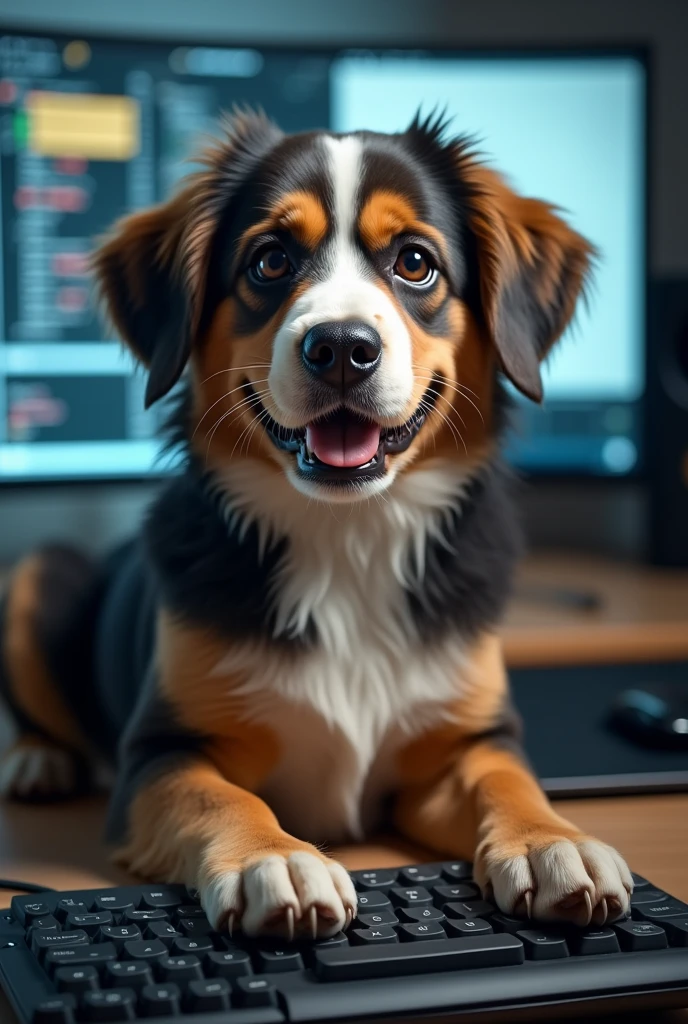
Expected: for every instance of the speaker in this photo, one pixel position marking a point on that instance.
(666, 450)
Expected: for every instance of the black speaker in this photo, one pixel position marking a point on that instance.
(666, 450)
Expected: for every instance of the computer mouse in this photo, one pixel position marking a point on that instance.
(655, 717)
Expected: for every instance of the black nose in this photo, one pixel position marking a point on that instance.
(342, 352)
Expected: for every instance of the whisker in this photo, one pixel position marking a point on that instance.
(253, 423)
(438, 373)
(458, 436)
(256, 423)
(263, 380)
(230, 369)
(254, 400)
(244, 403)
(449, 384)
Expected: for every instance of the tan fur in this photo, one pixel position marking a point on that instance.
(33, 688)
(514, 232)
(387, 214)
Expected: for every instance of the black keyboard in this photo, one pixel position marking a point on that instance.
(424, 942)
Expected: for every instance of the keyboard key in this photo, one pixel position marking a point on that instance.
(677, 930)
(28, 912)
(43, 942)
(255, 992)
(111, 1005)
(58, 1010)
(333, 942)
(659, 911)
(161, 899)
(373, 936)
(164, 931)
(142, 917)
(76, 979)
(133, 974)
(117, 905)
(119, 934)
(588, 941)
(420, 874)
(381, 917)
(468, 926)
(190, 910)
(543, 945)
(46, 924)
(639, 882)
(457, 870)
(195, 927)
(232, 964)
(388, 961)
(279, 960)
(160, 1000)
(418, 932)
(370, 901)
(419, 914)
(411, 897)
(647, 896)
(476, 908)
(207, 996)
(179, 969)
(68, 906)
(442, 894)
(365, 880)
(640, 935)
(81, 956)
(507, 923)
(90, 923)
(182, 946)
(144, 949)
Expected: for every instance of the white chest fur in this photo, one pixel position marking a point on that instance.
(342, 709)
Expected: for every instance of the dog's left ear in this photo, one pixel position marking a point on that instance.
(141, 281)
(532, 267)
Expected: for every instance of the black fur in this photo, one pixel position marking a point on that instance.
(207, 572)
(468, 574)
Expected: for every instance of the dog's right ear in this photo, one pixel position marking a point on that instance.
(152, 268)
(142, 283)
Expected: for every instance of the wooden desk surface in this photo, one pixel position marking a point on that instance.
(60, 846)
(642, 615)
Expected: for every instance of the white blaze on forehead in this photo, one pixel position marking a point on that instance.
(345, 158)
(347, 292)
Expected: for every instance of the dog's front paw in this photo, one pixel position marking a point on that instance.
(286, 895)
(555, 877)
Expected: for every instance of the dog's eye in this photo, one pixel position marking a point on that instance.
(414, 265)
(271, 264)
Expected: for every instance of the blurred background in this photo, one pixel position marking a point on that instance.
(582, 104)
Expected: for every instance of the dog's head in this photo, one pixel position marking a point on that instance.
(346, 303)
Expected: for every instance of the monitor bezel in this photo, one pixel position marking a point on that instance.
(325, 48)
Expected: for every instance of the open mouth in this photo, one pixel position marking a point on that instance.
(344, 446)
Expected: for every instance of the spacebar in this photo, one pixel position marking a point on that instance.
(387, 961)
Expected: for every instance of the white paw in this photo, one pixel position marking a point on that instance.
(582, 881)
(35, 771)
(285, 896)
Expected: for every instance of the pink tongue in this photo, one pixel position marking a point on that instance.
(344, 443)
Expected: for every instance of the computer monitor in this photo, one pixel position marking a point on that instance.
(93, 128)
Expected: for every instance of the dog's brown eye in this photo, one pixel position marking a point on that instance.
(413, 265)
(271, 264)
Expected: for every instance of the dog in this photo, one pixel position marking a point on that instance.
(302, 645)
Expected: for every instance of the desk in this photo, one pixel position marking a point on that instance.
(642, 613)
(60, 846)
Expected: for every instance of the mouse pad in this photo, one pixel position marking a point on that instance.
(568, 741)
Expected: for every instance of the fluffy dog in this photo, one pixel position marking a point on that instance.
(303, 644)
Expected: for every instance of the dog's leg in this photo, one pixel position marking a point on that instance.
(49, 758)
(469, 793)
(185, 802)
(193, 826)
